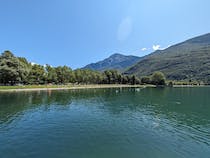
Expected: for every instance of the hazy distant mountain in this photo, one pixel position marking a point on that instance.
(183, 61)
(116, 61)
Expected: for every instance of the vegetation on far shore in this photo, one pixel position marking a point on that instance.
(61, 87)
(16, 71)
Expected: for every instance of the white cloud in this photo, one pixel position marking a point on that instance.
(33, 63)
(45, 65)
(156, 47)
(144, 49)
(124, 29)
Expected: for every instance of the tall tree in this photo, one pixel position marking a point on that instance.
(51, 74)
(64, 74)
(158, 78)
(37, 75)
(12, 69)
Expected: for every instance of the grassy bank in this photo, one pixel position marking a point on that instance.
(62, 87)
(29, 87)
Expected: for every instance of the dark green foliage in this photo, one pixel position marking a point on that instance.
(15, 70)
(52, 76)
(64, 74)
(12, 69)
(114, 77)
(125, 79)
(87, 77)
(158, 78)
(145, 80)
(185, 61)
(37, 75)
(134, 80)
(170, 84)
(24, 69)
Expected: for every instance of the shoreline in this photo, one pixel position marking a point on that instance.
(74, 87)
(22, 88)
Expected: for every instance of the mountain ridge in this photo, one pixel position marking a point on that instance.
(116, 61)
(188, 60)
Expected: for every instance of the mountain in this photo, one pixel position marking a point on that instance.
(189, 60)
(116, 61)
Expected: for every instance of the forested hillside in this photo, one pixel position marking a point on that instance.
(189, 60)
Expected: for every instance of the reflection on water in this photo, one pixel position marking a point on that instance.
(124, 122)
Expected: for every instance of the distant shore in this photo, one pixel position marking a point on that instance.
(69, 87)
(65, 87)
(180, 86)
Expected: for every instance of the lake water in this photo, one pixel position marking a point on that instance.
(106, 123)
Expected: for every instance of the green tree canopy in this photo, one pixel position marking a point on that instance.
(158, 78)
(12, 69)
(146, 80)
(15, 70)
(51, 74)
(37, 75)
(64, 74)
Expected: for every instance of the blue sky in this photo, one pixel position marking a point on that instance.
(78, 32)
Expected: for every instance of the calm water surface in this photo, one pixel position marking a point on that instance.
(106, 123)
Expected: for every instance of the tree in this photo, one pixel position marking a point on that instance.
(12, 69)
(125, 79)
(108, 76)
(158, 78)
(24, 69)
(112, 77)
(64, 74)
(51, 74)
(170, 84)
(134, 80)
(146, 80)
(37, 75)
(78, 76)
